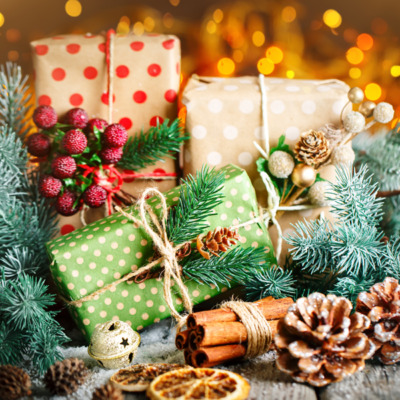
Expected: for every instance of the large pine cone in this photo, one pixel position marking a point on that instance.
(14, 383)
(312, 148)
(64, 377)
(108, 392)
(382, 306)
(319, 342)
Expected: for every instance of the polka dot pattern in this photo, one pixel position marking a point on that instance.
(107, 255)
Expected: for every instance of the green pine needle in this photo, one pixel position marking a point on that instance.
(10, 346)
(198, 198)
(232, 266)
(273, 281)
(21, 259)
(157, 143)
(14, 99)
(24, 302)
(45, 346)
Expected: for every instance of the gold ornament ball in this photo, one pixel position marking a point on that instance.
(356, 95)
(367, 108)
(303, 175)
(113, 344)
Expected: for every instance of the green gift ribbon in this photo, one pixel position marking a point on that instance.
(80, 266)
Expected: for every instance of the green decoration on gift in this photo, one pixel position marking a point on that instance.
(99, 254)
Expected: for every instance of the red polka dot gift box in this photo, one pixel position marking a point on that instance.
(225, 118)
(88, 263)
(141, 72)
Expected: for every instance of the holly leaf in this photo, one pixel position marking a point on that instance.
(281, 146)
(262, 165)
(97, 133)
(95, 159)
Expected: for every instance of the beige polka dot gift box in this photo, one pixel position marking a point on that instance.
(72, 71)
(92, 257)
(224, 118)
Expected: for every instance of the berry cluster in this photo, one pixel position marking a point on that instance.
(65, 147)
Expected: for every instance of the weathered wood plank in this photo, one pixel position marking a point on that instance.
(376, 381)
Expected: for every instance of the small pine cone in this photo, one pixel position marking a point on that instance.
(108, 392)
(14, 383)
(64, 377)
(312, 148)
(219, 240)
(382, 306)
(319, 342)
(184, 251)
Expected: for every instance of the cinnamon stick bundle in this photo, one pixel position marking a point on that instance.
(217, 336)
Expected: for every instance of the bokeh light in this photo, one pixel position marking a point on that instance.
(211, 27)
(289, 14)
(354, 73)
(258, 38)
(354, 55)
(373, 91)
(149, 24)
(365, 41)
(395, 71)
(175, 3)
(332, 18)
(275, 54)
(73, 8)
(138, 28)
(1, 19)
(218, 15)
(123, 25)
(290, 74)
(265, 66)
(226, 66)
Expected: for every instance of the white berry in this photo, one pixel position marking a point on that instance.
(383, 113)
(280, 164)
(354, 122)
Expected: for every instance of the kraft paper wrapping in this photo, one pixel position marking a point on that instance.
(94, 256)
(224, 119)
(71, 71)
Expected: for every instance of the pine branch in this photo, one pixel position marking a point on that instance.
(273, 281)
(198, 199)
(10, 346)
(14, 99)
(353, 197)
(157, 143)
(391, 265)
(20, 260)
(44, 346)
(232, 266)
(24, 302)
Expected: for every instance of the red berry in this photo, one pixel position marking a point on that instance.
(77, 117)
(39, 144)
(115, 135)
(44, 117)
(49, 186)
(95, 196)
(99, 123)
(65, 204)
(63, 167)
(111, 155)
(74, 142)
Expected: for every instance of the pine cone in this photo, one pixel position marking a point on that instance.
(14, 383)
(382, 307)
(319, 342)
(312, 148)
(108, 392)
(64, 377)
(216, 241)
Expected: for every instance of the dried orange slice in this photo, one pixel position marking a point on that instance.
(199, 384)
(137, 378)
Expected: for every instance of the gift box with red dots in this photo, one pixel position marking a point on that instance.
(224, 119)
(103, 252)
(73, 71)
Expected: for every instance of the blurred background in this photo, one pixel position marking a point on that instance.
(356, 41)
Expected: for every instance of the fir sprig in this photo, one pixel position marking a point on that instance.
(25, 301)
(18, 260)
(147, 148)
(198, 198)
(10, 344)
(14, 99)
(232, 266)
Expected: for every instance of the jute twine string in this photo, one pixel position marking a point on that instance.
(259, 334)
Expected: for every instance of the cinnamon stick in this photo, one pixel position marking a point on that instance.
(270, 308)
(187, 354)
(182, 339)
(222, 333)
(212, 356)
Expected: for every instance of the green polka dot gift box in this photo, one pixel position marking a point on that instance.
(98, 254)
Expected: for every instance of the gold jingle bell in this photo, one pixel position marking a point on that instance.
(303, 175)
(113, 344)
(356, 95)
(367, 108)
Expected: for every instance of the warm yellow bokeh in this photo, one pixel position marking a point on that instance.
(265, 66)
(289, 14)
(226, 66)
(354, 73)
(354, 55)
(73, 8)
(258, 38)
(275, 54)
(395, 71)
(218, 15)
(373, 91)
(365, 41)
(332, 18)
(290, 74)
(1, 19)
